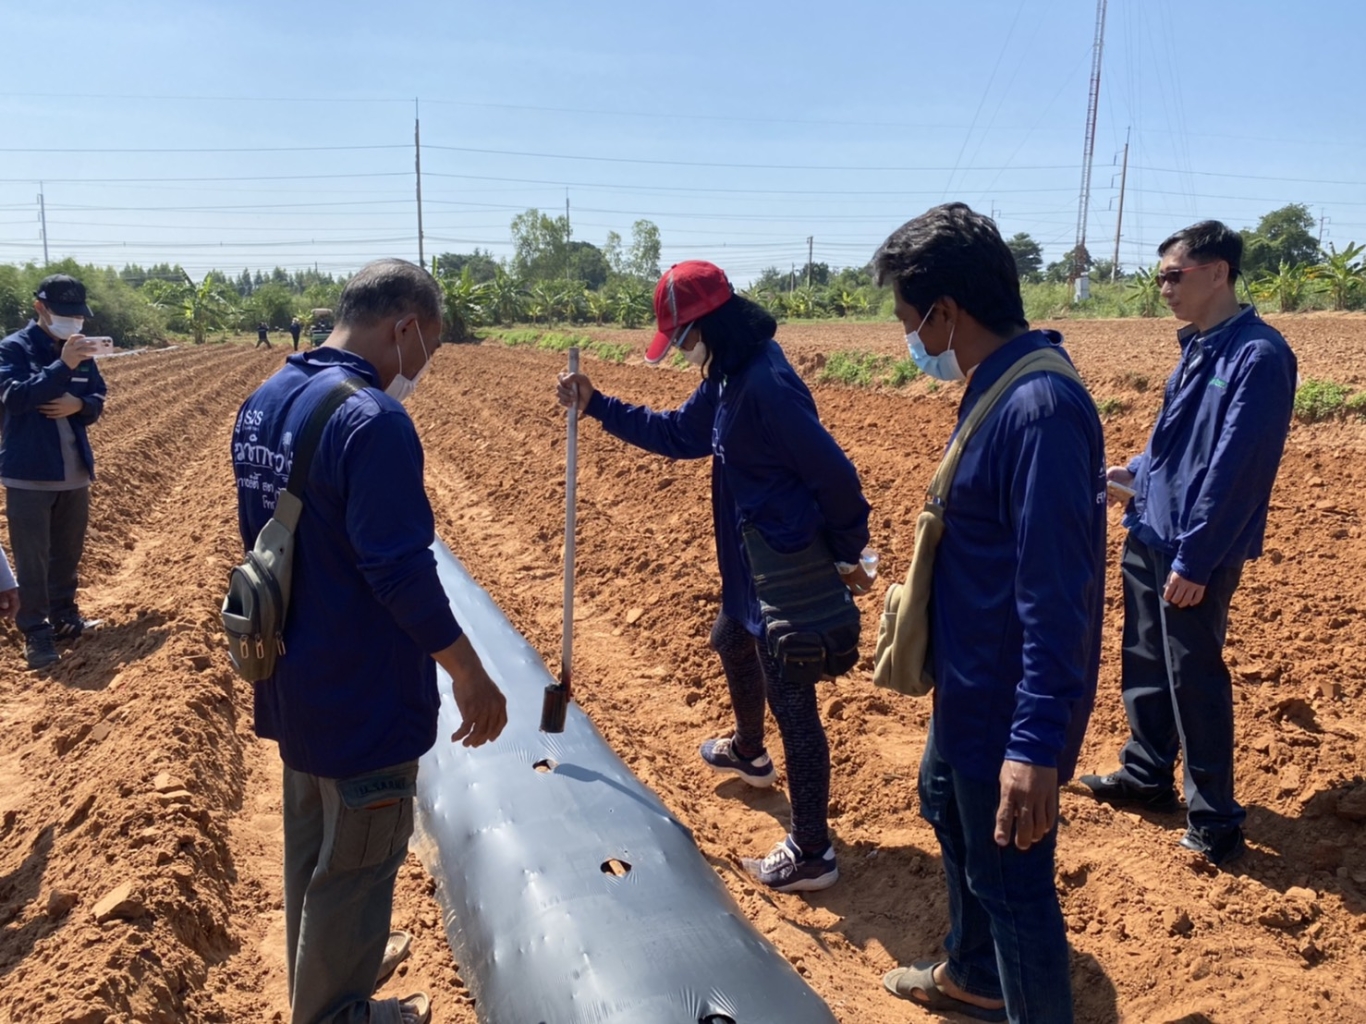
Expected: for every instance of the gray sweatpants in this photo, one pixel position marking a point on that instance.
(344, 842)
(47, 537)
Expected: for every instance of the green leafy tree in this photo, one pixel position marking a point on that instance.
(540, 246)
(1285, 235)
(1028, 255)
(482, 265)
(1343, 275)
(466, 303)
(585, 262)
(643, 259)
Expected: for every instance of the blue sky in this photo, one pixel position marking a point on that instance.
(740, 128)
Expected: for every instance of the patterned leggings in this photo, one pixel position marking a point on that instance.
(753, 674)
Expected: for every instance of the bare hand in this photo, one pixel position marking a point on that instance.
(574, 389)
(77, 350)
(1029, 802)
(9, 603)
(1118, 475)
(61, 407)
(857, 580)
(483, 708)
(1182, 593)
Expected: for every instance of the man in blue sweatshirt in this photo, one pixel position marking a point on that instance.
(1197, 504)
(51, 391)
(353, 701)
(1015, 619)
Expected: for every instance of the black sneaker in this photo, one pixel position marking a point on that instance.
(70, 627)
(40, 650)
(1117, 790)
(1220, 847)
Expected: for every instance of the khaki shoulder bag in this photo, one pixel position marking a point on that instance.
(901, 658)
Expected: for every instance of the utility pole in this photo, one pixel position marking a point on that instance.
(792, 281)
(42, 218)
(1079, 275)
(1119, 221)
(568, 231)
(417, 148)
(810, 250)
(1322, 221)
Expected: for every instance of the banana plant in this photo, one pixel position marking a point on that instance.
(505, 298)
(632, 305)
(599, 305)
(1146, 289)
(1289, 286)
(1343, 274)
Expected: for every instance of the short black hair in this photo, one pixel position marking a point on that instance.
(735, 333)
(1208, 241)
(952, 252)
(389, 288)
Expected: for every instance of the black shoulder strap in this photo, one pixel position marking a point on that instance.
(290, 504)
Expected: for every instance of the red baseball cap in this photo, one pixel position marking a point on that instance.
(687, 291)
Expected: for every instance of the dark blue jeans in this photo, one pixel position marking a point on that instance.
(1177, 690)
(1006, 936)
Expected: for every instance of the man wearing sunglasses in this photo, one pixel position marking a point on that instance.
(1197, 502)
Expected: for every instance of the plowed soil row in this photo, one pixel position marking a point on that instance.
(150, 695)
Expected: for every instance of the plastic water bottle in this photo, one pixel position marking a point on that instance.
(868, 560)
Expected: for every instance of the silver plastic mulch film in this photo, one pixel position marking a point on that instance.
(569, 892)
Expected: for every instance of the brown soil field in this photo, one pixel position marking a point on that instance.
(92, 751)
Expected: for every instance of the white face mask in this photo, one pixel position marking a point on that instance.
(697, 355)
(401, 387)
(941, 367)
(65, 326)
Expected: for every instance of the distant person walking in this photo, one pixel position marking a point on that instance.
(295, 329)
(781, 488)
(262, 335)
(353, 701)
(51, 391)
(1197, 501)
(1015, 616)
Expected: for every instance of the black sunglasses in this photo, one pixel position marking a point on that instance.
(1173, 275)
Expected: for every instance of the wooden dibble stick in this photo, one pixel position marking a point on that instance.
(555, 703)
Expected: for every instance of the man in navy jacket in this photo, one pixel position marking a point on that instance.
(1014, 622)
(51, 391)
(353, 701)
(1197, 512)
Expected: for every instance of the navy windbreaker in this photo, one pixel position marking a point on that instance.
(773, 465)
(1203, 485)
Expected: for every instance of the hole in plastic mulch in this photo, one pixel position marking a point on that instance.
(616, 867)
(546, 765)
(716, 1018)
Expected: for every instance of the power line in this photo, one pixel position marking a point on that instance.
(731, 166)
(218, 149)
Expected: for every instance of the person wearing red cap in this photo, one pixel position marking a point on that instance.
(781, 482)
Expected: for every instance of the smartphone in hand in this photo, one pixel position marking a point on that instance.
(1120, 490)
(104, 345)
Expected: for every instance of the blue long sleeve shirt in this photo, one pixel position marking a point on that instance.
(774, 466)
(31, 375)
(356, 689)
(1203, 485)
(1019, 575)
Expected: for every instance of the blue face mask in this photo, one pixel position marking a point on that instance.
(941, 367)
